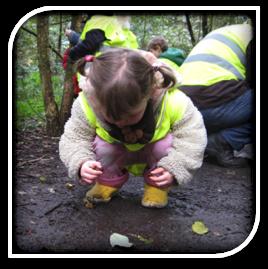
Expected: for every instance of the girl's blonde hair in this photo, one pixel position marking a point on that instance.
(122, 78)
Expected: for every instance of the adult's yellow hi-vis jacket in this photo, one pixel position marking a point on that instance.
(214, 71)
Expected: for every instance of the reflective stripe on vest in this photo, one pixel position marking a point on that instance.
(221, 55)
(210, 58)
(231, 44)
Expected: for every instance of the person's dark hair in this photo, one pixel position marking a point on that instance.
(158, 41)
(121, 78)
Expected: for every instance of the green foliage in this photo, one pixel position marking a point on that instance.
(29, 99)
(26, 49)
(174, 29)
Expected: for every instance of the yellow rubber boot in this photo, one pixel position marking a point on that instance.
(100, 193)
(155, 197)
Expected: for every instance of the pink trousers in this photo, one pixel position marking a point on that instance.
(114, 157)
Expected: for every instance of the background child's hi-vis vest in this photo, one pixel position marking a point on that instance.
(170, 64)
(119, 37)
(172, 110)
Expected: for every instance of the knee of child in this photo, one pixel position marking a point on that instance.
(106, 150)
(160, 148)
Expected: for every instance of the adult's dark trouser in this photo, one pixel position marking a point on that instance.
(233, 120)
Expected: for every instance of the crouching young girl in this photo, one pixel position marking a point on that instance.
(130, 118)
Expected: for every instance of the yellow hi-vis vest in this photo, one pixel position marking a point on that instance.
(172, 110)
(220, 56)
(170, 64)
(119, 37)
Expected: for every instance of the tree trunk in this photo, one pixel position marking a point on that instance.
(204, 25)
(51, 109)
(143, 45)
(60, 32)
(189, 25)
(68, 94)
(210, 24)
(199, 35)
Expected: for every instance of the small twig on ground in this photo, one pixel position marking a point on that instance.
(31, 161)
(25, 204)
(53, 208)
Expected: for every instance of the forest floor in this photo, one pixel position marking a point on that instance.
(50, 217)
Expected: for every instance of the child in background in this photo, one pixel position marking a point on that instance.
(159, 47)
(130, 117)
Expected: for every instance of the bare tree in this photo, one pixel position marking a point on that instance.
(60, 32)
(55, 119)
(204, 25)
(211, 17)
(144, 32)
(51, 109)
(68, 93)
(190, 29)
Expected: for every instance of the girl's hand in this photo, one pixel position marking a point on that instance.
(90, 171)
(161, 177)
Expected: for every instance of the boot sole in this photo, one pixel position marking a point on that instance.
(100, 200)
(151, 205)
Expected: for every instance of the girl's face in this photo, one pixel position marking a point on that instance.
(130, 119)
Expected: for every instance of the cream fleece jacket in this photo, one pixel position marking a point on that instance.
(184, 157)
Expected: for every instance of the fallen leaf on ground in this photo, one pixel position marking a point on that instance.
(42, 179)
(199, 227)
(120, 240)
(143, 239)
(69, 186)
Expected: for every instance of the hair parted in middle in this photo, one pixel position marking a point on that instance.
(122, 78)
